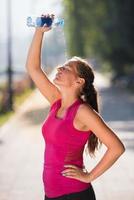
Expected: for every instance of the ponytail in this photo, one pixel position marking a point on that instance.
(89, 94)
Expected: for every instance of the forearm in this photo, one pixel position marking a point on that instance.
(34, 53)
(105, 163)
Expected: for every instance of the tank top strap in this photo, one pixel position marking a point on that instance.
(55, 105)
(73, 109)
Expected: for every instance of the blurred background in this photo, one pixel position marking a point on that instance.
(100, 31)
(15, 38)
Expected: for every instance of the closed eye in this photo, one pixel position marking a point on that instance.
(66, 68)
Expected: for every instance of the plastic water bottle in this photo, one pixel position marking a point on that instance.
(33, 21)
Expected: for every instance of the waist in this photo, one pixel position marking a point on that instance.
(84, 193)
(55, 184)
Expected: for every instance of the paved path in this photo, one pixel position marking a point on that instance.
(22, 148)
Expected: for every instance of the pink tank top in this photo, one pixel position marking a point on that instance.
(64, 144)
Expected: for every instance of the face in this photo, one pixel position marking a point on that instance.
(66, 75)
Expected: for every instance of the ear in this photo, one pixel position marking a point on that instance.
(80, 81)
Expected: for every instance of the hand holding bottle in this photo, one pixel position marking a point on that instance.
(45, 22)
(46, 26)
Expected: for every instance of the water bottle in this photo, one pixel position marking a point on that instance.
(33, 21)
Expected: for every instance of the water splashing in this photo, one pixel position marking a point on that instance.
(61, 39)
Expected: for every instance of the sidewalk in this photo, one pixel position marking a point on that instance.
(22, 148)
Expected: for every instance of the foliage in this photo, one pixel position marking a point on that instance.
(102, 28)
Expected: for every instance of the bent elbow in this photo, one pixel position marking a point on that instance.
(121, 149)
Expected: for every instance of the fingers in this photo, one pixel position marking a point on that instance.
(48, 15)
(72, 166)
(46, 28)
(69, 173)
(68, 170)
(75, 172)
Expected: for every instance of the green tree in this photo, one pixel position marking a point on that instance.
(102, 28)
(118, 31)
(74, 27)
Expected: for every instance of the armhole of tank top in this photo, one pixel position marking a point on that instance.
(54, 105)
(73, 113)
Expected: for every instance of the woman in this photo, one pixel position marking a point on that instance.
(73, 120)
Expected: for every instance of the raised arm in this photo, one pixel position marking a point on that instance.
(33, 65)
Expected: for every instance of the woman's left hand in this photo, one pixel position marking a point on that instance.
(76, 173)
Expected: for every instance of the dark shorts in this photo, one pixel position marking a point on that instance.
(87, 194)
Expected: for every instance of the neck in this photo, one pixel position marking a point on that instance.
(67, 100)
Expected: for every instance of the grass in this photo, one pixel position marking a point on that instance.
(18, 100)
(5, 116)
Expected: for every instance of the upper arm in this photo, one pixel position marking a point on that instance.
(46, 87)
(96, 124)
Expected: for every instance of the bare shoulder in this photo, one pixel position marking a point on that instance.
(94, 122)
(85, 110)
(89, 117)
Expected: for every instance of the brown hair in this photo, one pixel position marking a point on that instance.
(89, 95)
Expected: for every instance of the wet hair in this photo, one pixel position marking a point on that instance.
(89, 94)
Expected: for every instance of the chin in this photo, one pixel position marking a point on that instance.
(58, 82)
(55, 81)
